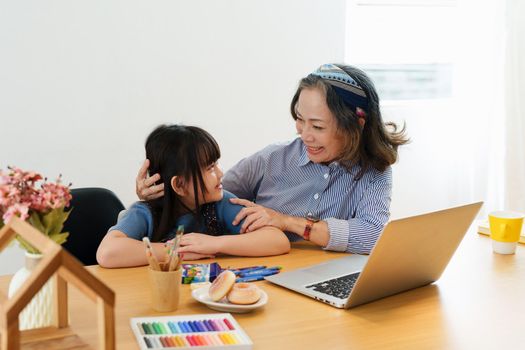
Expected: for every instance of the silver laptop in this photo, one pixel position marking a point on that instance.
(410, 253)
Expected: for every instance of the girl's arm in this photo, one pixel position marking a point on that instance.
(262, 242)
(119, 250)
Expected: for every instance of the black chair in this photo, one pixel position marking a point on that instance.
(94, 211)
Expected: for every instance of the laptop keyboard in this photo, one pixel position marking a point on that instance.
(339, 287)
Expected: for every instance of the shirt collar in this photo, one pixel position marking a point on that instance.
(303, 158)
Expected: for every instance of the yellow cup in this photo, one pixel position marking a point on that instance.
(505, 230)
(165, 289)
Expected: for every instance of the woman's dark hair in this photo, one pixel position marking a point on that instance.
(178, 150)
(371, 146)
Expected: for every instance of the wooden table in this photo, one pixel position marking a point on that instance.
(479, 303)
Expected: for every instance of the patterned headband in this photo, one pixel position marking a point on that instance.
(344, 85)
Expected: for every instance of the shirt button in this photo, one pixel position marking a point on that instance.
(325, 176)
(316, 195)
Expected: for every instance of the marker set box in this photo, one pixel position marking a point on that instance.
(203, 331)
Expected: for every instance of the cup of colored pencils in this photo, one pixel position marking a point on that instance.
(165, 277)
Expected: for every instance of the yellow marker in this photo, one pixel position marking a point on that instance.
(224, 340)
(174, 340)
(227, 338)
(235, 338)
(230, 339)
(184, 341)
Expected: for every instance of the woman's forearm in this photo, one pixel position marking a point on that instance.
(319, 233)
(262, 242)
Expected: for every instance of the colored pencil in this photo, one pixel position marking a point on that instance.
(175, 263)
(152, 259)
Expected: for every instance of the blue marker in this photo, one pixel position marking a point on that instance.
(185, 327)
(194, 326)
(251, 278)
(200, 326)
(247, 269)
(262, 272)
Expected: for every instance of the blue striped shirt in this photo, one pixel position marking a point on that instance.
(282, 177)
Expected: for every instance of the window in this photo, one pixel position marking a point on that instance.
(407, 47)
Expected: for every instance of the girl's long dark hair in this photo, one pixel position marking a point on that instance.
(372, 146)
(183, 151)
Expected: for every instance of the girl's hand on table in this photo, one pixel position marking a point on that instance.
(199, 243)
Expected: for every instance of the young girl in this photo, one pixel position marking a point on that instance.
(185, 157)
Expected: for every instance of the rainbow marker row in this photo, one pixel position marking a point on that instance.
(219, 339)
(208, 331)
(195, 326)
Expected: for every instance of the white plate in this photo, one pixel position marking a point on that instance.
(202, 295)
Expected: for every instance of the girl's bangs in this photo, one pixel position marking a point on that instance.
(208, 151)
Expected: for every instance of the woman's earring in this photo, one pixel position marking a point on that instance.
(360, 113)
(361, 116)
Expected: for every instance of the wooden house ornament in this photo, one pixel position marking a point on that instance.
(55, 261)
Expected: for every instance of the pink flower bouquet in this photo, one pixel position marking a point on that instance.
(41, 203)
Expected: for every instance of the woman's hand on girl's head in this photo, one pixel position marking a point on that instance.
(199, 243)
(256, 216)
(145, 185)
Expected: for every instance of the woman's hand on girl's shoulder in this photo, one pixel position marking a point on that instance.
(256, 216)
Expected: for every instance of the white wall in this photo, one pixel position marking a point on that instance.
(82, 83)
